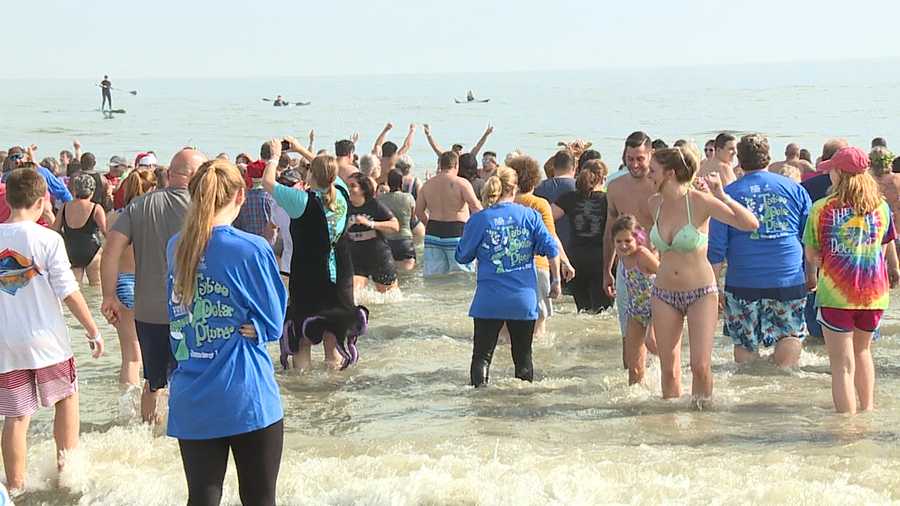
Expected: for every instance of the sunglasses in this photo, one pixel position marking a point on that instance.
(709, 150)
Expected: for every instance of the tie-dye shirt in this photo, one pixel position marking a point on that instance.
(853, 274)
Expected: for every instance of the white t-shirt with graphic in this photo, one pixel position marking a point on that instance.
(35, 275)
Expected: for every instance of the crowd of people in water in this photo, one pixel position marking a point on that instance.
(204, 262)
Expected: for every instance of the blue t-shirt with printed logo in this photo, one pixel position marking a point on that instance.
(772, 255)
(505, 238)
(224, 384)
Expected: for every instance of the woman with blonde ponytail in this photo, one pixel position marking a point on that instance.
(505, 237)
(849, 239)
(226, 303)
(136, 184)
(322, 307)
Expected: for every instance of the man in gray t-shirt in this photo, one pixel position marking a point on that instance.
(147, 224)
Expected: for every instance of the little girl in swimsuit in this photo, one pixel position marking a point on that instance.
(640, 266)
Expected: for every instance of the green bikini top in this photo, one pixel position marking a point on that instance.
(687, 239)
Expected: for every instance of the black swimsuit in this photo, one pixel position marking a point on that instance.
(82, 243)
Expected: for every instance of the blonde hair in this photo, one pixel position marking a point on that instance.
(138, 183)
(503, 182)
(880, 160)
(324, 170)
(791, 172)
(212, 188)
(683, 161)
(858, 191)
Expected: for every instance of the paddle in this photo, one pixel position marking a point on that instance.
(133, 92)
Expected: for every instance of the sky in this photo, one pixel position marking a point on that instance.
(238, 38)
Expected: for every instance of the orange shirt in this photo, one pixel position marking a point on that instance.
(543, 208)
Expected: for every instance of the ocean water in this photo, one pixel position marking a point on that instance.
(402, 427)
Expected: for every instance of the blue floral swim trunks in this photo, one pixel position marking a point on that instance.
(762, 323)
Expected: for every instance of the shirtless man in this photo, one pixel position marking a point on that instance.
(792, 158)
(722, 161)
(389, 152)
(343, 151)
(457, 148)
(627, 195)
(444, 204)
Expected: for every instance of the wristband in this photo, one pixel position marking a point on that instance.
(95, 338)
(554, 282)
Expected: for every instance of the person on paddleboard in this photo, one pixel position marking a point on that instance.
(105, 87)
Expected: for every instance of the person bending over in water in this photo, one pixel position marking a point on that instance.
(640, 266)
(319, 218)
(685, 286)
(505, 238)
(444, 205)
(219, 279)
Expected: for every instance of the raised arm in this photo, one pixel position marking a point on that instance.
(77, 146)
(312, 141)
(268, 179)
(725, 209)
(480, 144)
(434, 145)
(407, 142)
(296, 147)
(376, 149)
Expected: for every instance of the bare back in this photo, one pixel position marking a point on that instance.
(445, 197)
(725, 170)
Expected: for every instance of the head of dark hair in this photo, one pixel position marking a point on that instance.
(284, 161)
(722, 139)
(753, 152)
(457, 148)
(711, 142)
(638, 139)
(88, 161)
(389, 149)
(365, 184)
(563, 161)
(586, 156)
(73, 169)
(490, 153)
(395, 180)
(528, 172)
(879, 142)
(265, 153)
(448, 160)
(468, 166)
(67, 154)
(659, 144)
(24, 187)
(625, 222)
(806, 155)
(344, 148)
(679, 143)
(592, 174)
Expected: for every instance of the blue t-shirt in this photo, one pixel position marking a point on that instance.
(551, 189)
(57, 190)
(224, 384)
(294, 201)
(505, 238)
(772, 255)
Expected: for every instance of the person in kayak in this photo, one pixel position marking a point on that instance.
(280, 102)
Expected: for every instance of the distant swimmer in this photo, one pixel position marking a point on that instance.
(105, 91)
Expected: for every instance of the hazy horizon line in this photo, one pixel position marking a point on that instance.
(680, 65)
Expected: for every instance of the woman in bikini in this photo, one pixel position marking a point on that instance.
(685, 285)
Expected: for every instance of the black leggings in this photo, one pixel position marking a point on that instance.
(587, 286)
(257, 456)
(521, 333)
(107, 98)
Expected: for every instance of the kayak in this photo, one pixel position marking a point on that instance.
(484, 101)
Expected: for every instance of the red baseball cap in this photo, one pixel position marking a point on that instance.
(850, 160)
